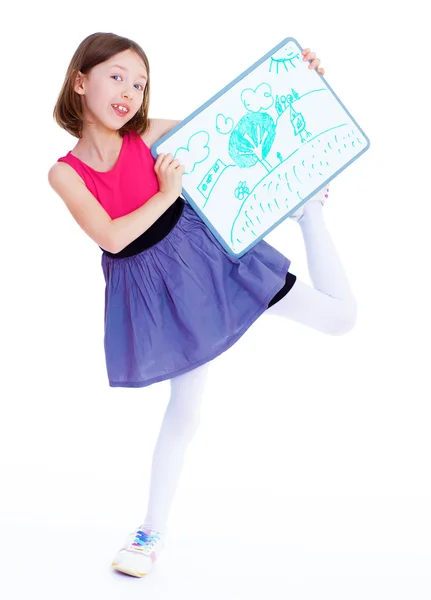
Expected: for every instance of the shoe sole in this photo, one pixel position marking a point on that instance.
(124, 569)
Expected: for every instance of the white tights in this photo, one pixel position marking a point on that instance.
(329, 307)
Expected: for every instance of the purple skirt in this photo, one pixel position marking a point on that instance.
(182, 302)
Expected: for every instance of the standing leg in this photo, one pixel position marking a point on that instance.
(329, 306)
(179, 425)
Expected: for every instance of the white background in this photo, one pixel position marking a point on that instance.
(309, 474)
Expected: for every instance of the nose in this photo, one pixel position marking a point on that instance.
(128, 94)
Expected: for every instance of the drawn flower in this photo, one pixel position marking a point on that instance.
(242, 190)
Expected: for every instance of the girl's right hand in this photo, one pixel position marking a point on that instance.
(170, 175)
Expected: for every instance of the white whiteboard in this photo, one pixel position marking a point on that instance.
(262, 147)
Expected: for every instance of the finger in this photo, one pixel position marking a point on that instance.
(158, 160)
(314, 64)
(306, 51)
(321, 70)
(157, 164)
(167, 159)
(310, 56)
(171, 161)
(162, 161)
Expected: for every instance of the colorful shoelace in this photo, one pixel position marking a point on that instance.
(145, 540)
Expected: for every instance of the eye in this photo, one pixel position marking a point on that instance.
(142, 87)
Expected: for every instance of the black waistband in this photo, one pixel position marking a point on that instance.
(154, 234)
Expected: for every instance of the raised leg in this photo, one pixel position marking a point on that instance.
(329, 306)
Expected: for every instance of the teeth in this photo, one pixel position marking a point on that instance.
(120, 107)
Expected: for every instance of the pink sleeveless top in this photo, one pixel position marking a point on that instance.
(128, 185)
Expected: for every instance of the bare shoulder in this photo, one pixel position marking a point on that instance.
(82, 204)
(157, 129)
(58, 170)
(60, 175)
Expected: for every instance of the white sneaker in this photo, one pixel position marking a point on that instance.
(139, 552)
(320, 196)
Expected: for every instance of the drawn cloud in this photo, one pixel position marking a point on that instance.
(258, 99)
(224, 124)
(196, 152)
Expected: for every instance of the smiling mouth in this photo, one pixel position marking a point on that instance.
(119, 111)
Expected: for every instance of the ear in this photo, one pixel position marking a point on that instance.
(79, 83)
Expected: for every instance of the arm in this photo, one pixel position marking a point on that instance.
(169, 173)
(82, 205)
(157, 129)
(110, 234)
(124, 230)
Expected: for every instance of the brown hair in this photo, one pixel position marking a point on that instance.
(95, 49)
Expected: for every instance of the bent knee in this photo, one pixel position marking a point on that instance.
(345, 320)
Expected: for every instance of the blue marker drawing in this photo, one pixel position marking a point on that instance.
(224, 125)
(207, 184)
(196, 151)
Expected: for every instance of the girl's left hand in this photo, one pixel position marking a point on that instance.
(308, 55)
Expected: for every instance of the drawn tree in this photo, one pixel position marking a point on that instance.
(251, 140)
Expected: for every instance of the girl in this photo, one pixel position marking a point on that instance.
(174, 299)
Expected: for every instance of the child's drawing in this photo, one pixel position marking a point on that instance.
(224, 124)
(284, 56)
(262, 147)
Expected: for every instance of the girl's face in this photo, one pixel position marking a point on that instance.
(121, 80)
